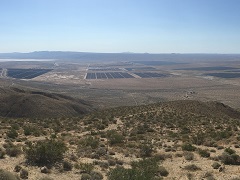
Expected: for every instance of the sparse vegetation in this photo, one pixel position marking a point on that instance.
(141, 142)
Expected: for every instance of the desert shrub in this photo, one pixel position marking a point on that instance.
(188, 147)
(160, 157)
(219, 135)
(162, 171)
(213, 150)
(203, 153)
(190, 176)
(178, 155)
(208, 176)
(96, 175)
(45, 152)
(149, 165)
(24, 174)
(235, 178)
(2, 153)
(101, 151)
(111, 162)
(86, 176)
(141, 170)
(188, 156)
(121, 173)
(103, 164)
(229, 151)
(27, 130)
(12, 133)
(5, 175)
(220, 147)
(146, 151)
(17, 168)
(12, 150)
(31, 130)
(46, 178)
(185, 130)
(192, 167)
(236, 146)
(89, 141)
(230, 159)
(86, 167)
(114, 137)
(216, 165)
(198, 139)
(67, 166)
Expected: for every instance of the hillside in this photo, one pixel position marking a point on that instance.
(169, 140)
(18, 103)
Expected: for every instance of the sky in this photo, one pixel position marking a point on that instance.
(153, 26)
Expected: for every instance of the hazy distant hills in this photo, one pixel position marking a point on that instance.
(87, 56)
(18, 103)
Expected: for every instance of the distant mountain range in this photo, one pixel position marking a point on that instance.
(126, 56)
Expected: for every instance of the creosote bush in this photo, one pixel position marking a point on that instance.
(146, 151)
(12, 133)
(188, 147)
(89, 141)
(12, 150)
(203, 153)
(85, 167)
(230, 157)
(192, 167)
(114, 137)
(45, 152)
(67, 166)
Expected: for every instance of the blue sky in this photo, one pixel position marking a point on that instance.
(154, 26)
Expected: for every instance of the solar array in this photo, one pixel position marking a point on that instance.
(224, 75)
(108, 75)
(103, 69)
(141, 68)
(26, 73)
(150, 75)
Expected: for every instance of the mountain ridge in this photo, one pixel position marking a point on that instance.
(18, 103)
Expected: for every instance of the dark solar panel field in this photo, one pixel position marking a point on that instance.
(150, 75)
(26, 73)
(103, 69)
(108, 75)
(224, 75)
(141, 68)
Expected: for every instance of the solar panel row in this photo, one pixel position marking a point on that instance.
(108, 75)
(150, 75)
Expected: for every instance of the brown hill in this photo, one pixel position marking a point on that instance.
(19, 103)
(209, 109)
